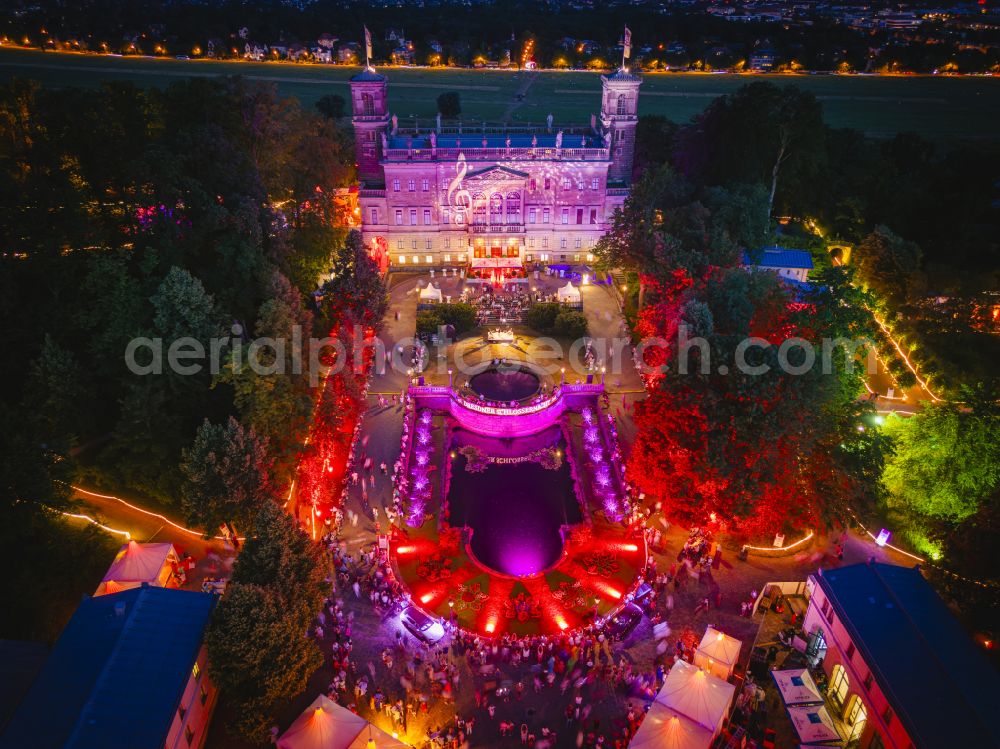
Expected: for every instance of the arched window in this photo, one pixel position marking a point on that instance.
(479, 208)
(622, 104)
(368, 105)
(513, 208)
(496, 208)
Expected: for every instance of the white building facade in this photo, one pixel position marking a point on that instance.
(491, 197)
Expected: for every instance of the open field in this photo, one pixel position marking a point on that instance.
(936, 107)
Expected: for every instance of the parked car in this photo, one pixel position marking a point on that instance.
(622, 624)
(420, 625)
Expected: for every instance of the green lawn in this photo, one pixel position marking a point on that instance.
(933, 106)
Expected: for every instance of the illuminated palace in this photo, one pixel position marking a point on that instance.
(490, 197)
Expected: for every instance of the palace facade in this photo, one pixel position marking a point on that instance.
(490, 196)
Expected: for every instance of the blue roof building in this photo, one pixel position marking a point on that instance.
(128, 671)
(901, 670)
(787, 263)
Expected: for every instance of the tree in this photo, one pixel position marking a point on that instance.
(889, 266)
(460, 315)
(542, 316)
(570, 324)
(357, 291)
(332, 106)
(449, 105)
(259, 655)
(182, 308)
(227, 474)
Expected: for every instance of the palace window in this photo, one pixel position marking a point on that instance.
(413, 245)
(562, 243)
(428, 259)
(531, 242)
(496, 208)
(579, 184)
(459, 217)
(545, 215)
(402, 259)
(427, 216)
(429, 244)
(395, 185)
(445, 215)
(399, 244)
(579, 244)
(595, 184)
(446, 258)
(622, 104)
(479, 210)
(447, 243)
(579, 215)
(545, 243)
(566, 183)
(374, 215)
(565, 216)
(513, 208)
(411, 185)
(425, 185)
(413, 217)
(399, 217)
(532, 215)
(839, 686)
(593, 215)
(368, 105)
(533, 185)
(461, 258)
(415, 258)
(548, 183)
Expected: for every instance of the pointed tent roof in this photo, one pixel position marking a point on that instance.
(569, 291)
(139, 563)
(663, 728)
(797, 687)
(719, 646)
(327, 725)
(697, 695)
(430, 292)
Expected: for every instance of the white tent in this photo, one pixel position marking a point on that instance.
(718, 652)
(813, 724)
(797, 687)
(569, 293)
(136, 564)
(663, 728)
(327, 725)
(430, 293)
(698, 695)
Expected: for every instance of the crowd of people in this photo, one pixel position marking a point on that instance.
(508, 303)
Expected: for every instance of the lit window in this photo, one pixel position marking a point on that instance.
(461, 258)
(496, 208)
(513, 208)
(425, 185)
(446, 258)
(195, 671)
(576, 258)
(402, 259)
(395, 185)
(839, 686)
(428, 259)
(415, 259)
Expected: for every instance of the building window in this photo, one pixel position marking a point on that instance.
(399, 217)
(374, 215)
(461, 258)
(839, 686)
(413, 246)
(576, 257)
(415, 259)
(413, 217)
(566, 183)
(595, 183)
(622, 104)
(579, 215)
(445, 215)
(533, 185)
(446, 258)
(850, 650)
(531, 242)
(411, 185)
(427, 216)
(545, 243)
(195, 671)
(479, 211)
(425, 185)
(869, 680)
(429, 244)
(579, 244)
(565, 216)
(181, 712)
(593, 215)
(395, 185)
(562, 243)
(532, 215)
(887, 716)
(545, 215)
(548, 183)
(428, 259)
(188, 735)
(399, 244)
(447, 243)
(513, 208)
(459, 217)
(368, 105)
(496, 208)
(402, 259)
(203, 695)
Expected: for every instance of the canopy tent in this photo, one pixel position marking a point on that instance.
(430, 293)
(718, 652)
(663, 728)
(136, 564)
(697, 695)
(327, 725)
(569, 293)
(813, 724)
(797, 687)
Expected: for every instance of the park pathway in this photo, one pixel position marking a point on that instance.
(520, 95)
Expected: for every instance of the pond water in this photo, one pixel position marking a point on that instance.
(515, 512)
(505, 383)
